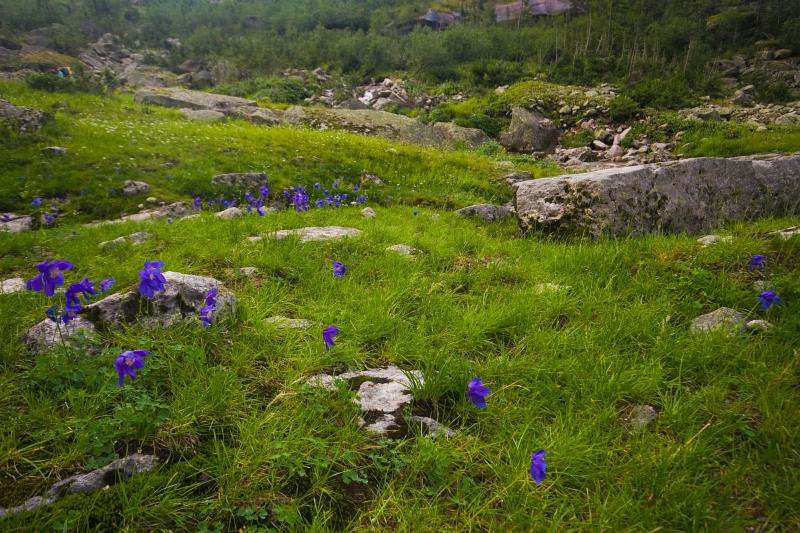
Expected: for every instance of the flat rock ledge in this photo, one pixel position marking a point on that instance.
(282, 322)
(689, 196)
(382, 393)
(114, 472)
(318, 233)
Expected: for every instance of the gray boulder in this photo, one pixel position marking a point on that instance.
(470, 137)
(230, 213)
(132, 188)
(529, 132)
(15, 223)
(368, 212)
(240, 179)
(46, 335)
(487, 212)
(726, 319)
(688, 196)
(186, 99)
(10, 286)
(23, 119)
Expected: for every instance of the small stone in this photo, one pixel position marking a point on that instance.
(724, 318)
(202, 115)
(432, 427)
(105, 245)
(402, 249)
(785, 233)
(368, 212)
(368, 178)
(46, 335)
(248, 271)
(10, 286)
(758, 326)
(708, 240)
(282, 322)
(599, 145)
(132, 188)
(139, 237)
(240, 179)
(314, 233)
(487, 212)
(15, 223)
(543, 288)
(641, 416)
(230, 213)
(54, 150)
(152, 199)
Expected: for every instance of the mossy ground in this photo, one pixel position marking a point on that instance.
(229, 401)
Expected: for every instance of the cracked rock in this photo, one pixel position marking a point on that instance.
(46, 335)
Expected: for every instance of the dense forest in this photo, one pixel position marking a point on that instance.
(598, 40)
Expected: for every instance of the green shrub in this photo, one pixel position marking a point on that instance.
(577, 139)
(623, 108)
(662, 93)
(275, 89)
(52, 83)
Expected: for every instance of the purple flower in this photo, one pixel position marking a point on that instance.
(339, 269)
(196, 203)
(757, 261)
(70, 313)
(355, 188)
(260, 211)
(767, 299)
(127, 363)
(37, 201)
(389, 198)
(49, 219)
(85, 288)
(361, 198)
(209, 311)
(151, 278)
(538, 466)
(226, 204)
(317, 186)
(210, 203)
(219, 199)
(477, 392)
(320, 203)
(106, 284)
(328, 334)
(416, 212)
(49, 277)
(263, 191)
(335, 185)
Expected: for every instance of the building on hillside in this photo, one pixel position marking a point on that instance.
(538, 8)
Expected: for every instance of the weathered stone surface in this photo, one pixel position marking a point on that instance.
(202, 115)
(382, 395)
(119, 241)
(370, 179)
(543, 288)
(692, 195)
(15, 223)
(54, 150)
(516, 177)
(248, 271)
(529, 132)
(114, 472)
(368, 212)
(230, 213)
(487, 212)
(176, 210)
(132, 188)
(282, 322)
(186, 99)
(724, 318)
(10, 286)
(640, 416)
(23, 119)
(240, 179)
(319, 233)
(402, 249)
(431, 426)
(785, 233)
(708, 240)
(46, 335)
(183, 297)
(455, 134)
(758, 326)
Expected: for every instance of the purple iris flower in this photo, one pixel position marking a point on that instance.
(197, 203)
(106, 284)
(127, 363)
(416, 212)
(37, 201)
(767, 299)
(209, 311)
(260, 211)
(328, 334)
(335, 185)
(326, 192)
(210, 203)
(339, 269)
(361, 198)
(249, 208)
(317, 186)
(151, 278)
(49, 277)
(320, 203)
(477, 392)
(757, 261)
(389, 198)
(226, 204)
(219, 199)
(355, 188)
(337, 200)
(248, 197)
(169, 220)
(74, 291)
(48, 218)
(70, 313)
(538, 466)
(344, 196)
(263, 191)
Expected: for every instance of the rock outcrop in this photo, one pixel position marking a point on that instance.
(689, 196)
(529, 132)
(23, 119)
(13, 223)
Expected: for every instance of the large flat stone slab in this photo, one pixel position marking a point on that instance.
(186, 99)
(312, 233)
(689, 196)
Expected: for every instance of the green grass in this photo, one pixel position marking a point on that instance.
(229, 401)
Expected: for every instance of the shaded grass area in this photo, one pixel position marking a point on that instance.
(111, 140)
(565, 368)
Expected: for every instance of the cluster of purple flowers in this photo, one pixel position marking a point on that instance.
(127, 364)
(51, 277)
(298, 198)
(48, 217)
(766, 298)
(220, 202)
(151, 279)
(209, 310)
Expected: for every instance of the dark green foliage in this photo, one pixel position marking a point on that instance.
(661, 93)
(275, 89)
(46, 81)
(623, 108)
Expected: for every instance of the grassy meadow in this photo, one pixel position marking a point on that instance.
(248, 446)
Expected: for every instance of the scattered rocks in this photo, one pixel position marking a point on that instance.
(708, 240)
(403, 249)
(15, 223)
(202, 115)
(758, 326)
(23, 119)
(432, 427)
(114, 472)
(132, 188)
(282, 322)
(640, 416)
(785, 233)
(248, 271)
(370, 179)
(529, 132)
(230, 213)
(382, 395)
(487, 212)
(313, 233)
(46, 335)
(368, 212)
(691, 195)
(543, 288)
(10, 286)
(54, 150)
(724, 318)
(240, 179)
